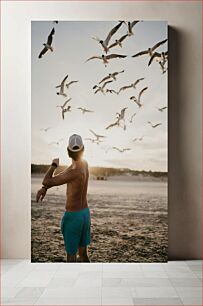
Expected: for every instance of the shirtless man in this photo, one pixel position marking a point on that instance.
(75, 223)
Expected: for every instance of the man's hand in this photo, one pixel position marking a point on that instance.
(56, 161)
(41, 194)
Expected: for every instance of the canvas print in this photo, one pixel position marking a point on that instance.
(99, 141)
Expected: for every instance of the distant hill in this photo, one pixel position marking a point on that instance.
(103, 171)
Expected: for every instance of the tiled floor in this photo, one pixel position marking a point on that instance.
(172, 283)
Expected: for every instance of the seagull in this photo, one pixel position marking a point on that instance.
(121, 150)
(112, 91)
(55, 21)
(104, 43)
(120, 117)
(130, 27)
(72, 82)
(140, 138)
(84, 110)
(133, 85)
(97, 141)
(106, 150)
(56, 142)
(149, 51)
(61, 86)
(160, 57)
(96, 135)
(106, 58)
(47, 46)
(161, 109)
(154, 125)
(118, 42)
(131, 118)
(137, 100)
(111, 75)
(101, 88)
(65, 110)
(45, 129)
(64, 105)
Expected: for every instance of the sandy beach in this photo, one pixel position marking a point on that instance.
(129, 222)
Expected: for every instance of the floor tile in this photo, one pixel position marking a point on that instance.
(28, 292)
(117, 301)
(151, 292)
(192, 301)
(116, 292)
(9, 292)
(69, 301)
(157, 301)
(185, 282)
(21, 301)
(189, 291)
(72, 292)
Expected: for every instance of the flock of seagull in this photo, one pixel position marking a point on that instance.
(107, 45)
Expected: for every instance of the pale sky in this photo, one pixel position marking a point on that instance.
(72, 45)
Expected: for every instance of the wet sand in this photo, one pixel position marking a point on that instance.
(125, 227)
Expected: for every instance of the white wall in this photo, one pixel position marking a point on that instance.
(184, 19)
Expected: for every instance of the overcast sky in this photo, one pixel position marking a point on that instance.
(72, 45)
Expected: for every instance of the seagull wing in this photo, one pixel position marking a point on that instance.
(115, 148)
(125, 87)
(115, 56)
(113, 45)
(138, 80)
(134, 23)
(93, 133)
(104, 79)
(50, 37)
(159, 44)
(123, 37)
(123, 112)
(96, 38)
(140, 53)
(127, 149)
(66, 102)
(94, 57)
(163, 108)
(44, 50)
(112, 32)
(156, 54)
(112, 125)
(141, 92)
(71, 82)
(106, 83)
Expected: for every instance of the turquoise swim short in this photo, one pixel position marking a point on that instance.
(75, 227)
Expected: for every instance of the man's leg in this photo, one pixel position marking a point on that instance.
(71, 258)
(83, 254)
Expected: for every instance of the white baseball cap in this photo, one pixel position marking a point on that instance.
(75, 143)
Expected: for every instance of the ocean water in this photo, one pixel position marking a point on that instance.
(122, 186)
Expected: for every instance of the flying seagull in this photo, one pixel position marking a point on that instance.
(137, 100)
(47, 46)
(118, 42)
(139, 138)
(84, 110)
(56, 142)
(61, 86)
(111, 75)
(65, 110)
(130, 27)
(149, 51)
(133, 85)
(71, 82)
(120, 117)
(154, 125)
(97, 141)
(96, 135)
(101, 88)
(116, 123)
(161, 109)
(64, 105)
(106, 58)
(45, 129)
(159, 57)
(121, 150)
(104, 43)
(131, 118)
